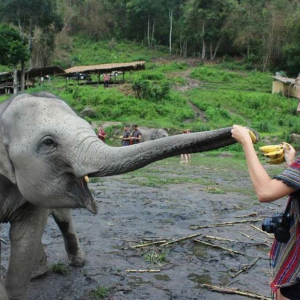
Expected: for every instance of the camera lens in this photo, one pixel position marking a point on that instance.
(268, 225)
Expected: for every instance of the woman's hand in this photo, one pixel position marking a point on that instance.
(289, 154)
(241, 134)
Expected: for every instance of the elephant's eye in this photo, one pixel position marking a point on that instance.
(47, 145)
(49, 142)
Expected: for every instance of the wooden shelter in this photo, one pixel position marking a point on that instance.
(43, 71)
(6, 78)
(111, 69)
(284, 86)
(6, 83)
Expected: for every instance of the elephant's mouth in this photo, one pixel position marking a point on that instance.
(88, 200)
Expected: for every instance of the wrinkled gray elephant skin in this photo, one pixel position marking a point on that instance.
(46, 151)
(150, 134)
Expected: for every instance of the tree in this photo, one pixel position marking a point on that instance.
(13, 50)
(28, 16)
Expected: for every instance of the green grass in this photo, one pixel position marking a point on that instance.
(59, 269)
(86, 52)
(99, 293)
(155, 257)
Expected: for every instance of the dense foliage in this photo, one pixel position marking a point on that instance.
(12, 47)
(265, 34)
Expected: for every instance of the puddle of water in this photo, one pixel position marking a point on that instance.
(200, 279)
(162, 277)
(199, 250)
(137, 281)
(223, 280)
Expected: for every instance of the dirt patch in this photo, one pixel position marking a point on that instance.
(133, 211)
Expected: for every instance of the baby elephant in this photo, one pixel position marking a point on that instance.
(47, 154)
(149, 134)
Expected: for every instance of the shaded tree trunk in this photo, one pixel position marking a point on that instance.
(148, 31)
(203, 56)
(22, 76)
(153, 30)
(16, 84)
(217, 47)
(171, 29)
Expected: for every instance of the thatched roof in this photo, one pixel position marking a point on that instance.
(137, 65)
(39, 72)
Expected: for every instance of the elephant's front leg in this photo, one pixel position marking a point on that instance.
(63, 218)
(25, 237)
(3, 295)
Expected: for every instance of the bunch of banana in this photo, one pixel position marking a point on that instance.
(275, 153)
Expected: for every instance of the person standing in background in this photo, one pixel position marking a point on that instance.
(101, 134)
(106, 80)
(185, 158)
(136, 134)
(126, 137)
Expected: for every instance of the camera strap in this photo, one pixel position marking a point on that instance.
(288, 208)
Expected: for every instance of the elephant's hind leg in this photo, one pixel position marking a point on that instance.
(63, 218)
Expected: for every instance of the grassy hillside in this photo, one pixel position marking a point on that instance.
(177, 95)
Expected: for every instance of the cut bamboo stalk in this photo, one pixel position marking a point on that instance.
(225, 290)
(255, 227)
(218, 238)
(224, 224)
(236, 206)
(147, 244)
(142, 271)
(254, 214)
(181, 239)
(219, 247)
(209, 226)
(246, 268)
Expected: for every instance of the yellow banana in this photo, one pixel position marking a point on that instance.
(270, 148)
(253, 137)
(274, 154)
(277, 161)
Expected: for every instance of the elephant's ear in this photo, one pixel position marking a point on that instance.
(154, 135)
(6, 167)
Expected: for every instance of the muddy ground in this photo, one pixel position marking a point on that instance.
(160, 202)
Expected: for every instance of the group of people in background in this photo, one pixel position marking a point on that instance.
(128, 138)
(131, 138)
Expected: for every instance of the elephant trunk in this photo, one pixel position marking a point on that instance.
(118, 160)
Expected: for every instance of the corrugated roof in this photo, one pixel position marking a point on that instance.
(137, 65)
(284, 79)
(42, 71)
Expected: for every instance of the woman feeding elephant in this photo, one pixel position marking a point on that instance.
(285, 252)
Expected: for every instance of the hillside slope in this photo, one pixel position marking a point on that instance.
(177, 94)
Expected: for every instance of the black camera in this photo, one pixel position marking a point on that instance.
(279, 224)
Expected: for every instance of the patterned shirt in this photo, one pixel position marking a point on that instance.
(285, 258)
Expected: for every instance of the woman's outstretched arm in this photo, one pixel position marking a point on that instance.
(266, 188)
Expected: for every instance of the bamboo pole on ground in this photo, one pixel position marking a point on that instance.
(231, 223)
(219, 247)
(226, 290)
(246, 268)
